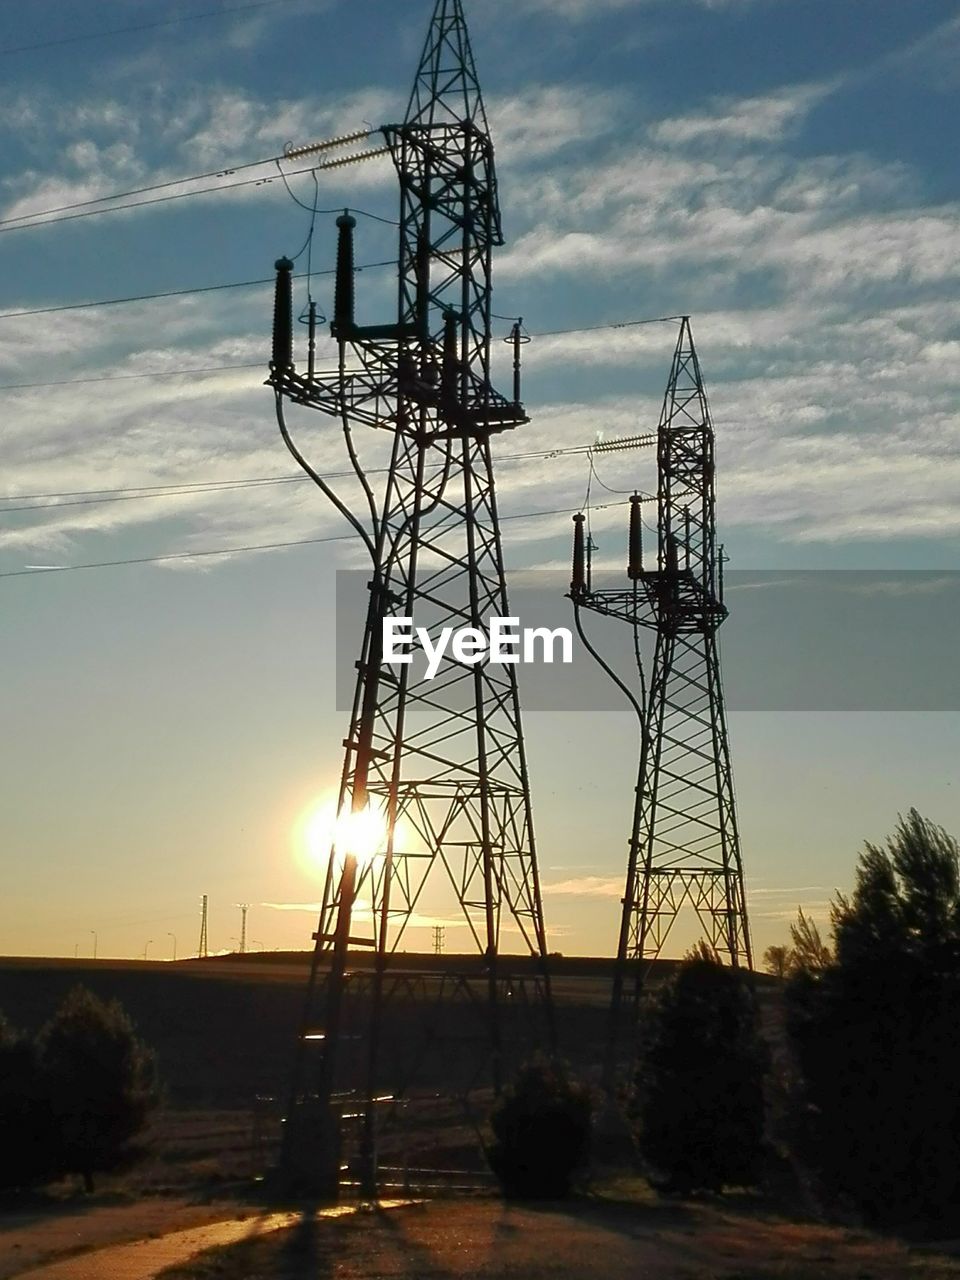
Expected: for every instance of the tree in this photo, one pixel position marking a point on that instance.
(100, 1081)
(809, 952)
(698, 1104)
(27, 1138)
(875, 1031)
(541, 1127)
(777, 960)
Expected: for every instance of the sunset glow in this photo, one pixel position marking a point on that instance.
(321, 829)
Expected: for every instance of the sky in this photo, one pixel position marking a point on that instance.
(781, 170)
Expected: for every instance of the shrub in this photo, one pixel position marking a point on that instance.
(698, 1105)
(28, 1147)
(100, 1082)
(542, 1130)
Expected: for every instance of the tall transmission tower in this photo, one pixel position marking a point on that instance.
(439, 763)
(685, 845)
(244, 908)
(202, 947)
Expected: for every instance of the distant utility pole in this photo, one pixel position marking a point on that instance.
(202, 948)
(244, 908)
(94, 932)
(174, 937)
(438, 939)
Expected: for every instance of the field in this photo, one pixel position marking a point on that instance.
(225, 1031)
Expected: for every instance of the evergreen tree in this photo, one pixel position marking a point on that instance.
(876, 1034)
(698, 1105)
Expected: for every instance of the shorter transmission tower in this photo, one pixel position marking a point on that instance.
(438, 932)
(684, 844)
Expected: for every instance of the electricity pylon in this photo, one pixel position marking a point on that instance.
(685, 844)
(440, 763)
(202, 947)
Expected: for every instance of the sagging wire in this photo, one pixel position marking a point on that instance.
(352, 452)
(318, 480)
(315, 209)
(601, 661)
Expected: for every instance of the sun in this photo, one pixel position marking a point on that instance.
(362, 833)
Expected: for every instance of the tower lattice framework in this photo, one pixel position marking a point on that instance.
(441, 760)
(685, 844)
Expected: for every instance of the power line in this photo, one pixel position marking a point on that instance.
(622, 324)
(143, 26)
(178, 491)
(128, 377)
(252, 547)
(41, 217)
(93, 497)
(225, 171)
(169, 293)
(41, 221)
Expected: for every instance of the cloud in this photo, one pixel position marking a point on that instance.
(761, 119)
(797, 891)
(818, 911)
(312, 907)
(99, 145)
(538, 122)
(586, 887)
(579, 10)
(905, 586)
(833, 386)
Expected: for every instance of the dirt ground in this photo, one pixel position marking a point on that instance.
(33, 1233)
(585, 1240)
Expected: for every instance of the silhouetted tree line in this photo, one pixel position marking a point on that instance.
(75, 1097)
(873, 1022)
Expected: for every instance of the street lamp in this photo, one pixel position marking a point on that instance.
(94, 932)
(149, 940)
(174, 937)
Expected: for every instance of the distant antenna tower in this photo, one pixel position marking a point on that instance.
(685, 844)
(244, 908)
(438, 932)
(202, 948)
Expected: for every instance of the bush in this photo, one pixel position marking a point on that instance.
(875, 1032)
(28, 1148)
(542, 1131)
(100, 1082)
(698, 1105)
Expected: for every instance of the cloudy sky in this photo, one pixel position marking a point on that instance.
(781, 170)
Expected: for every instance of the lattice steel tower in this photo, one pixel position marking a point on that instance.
(442, 761)
(685, 845)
